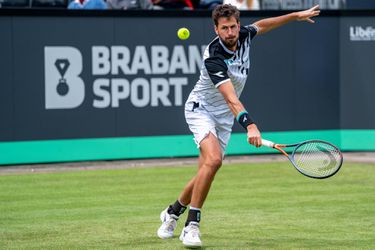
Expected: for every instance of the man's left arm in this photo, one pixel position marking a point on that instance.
(268, 24)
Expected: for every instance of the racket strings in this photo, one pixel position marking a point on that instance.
(317, 159)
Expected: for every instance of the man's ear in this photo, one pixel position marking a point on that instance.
(216, 31)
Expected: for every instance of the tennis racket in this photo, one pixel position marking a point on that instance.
(314, 158)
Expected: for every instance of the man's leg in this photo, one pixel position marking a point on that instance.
(210, 160)
(185, 196)
(209, 163)
(170, 215)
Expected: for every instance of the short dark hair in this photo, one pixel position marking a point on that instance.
(225, 10)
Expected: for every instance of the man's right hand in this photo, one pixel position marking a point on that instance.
(253, 135)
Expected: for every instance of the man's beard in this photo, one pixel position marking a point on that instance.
(230, 43)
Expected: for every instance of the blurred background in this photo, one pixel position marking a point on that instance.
(189, 4)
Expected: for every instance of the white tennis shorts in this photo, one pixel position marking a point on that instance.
(201, 123)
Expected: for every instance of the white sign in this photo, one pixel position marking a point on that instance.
(359, 33)
(145, 76)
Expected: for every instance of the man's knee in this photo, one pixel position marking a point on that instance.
(217, 162)
(214, 163)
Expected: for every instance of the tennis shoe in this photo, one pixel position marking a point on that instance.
(169, 223)
(190, 235)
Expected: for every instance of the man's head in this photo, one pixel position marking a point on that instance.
(227, 24)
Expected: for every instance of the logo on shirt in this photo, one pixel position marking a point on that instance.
(233, 62)
(229, 61)
(219, 74)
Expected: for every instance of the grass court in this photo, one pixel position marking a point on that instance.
(250, 206)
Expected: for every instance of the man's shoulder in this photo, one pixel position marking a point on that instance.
(213, 49)
(216, 50)
(248, 30)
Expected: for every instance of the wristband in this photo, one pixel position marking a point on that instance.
(244, 119)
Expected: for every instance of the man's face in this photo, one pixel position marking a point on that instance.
(228, 30)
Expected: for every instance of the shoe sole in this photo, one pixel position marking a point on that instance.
(188, 245)
(164, 237)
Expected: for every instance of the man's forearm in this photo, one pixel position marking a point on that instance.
(271, 23)
(268, 24)
(235, 106)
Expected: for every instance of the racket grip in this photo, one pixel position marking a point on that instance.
(267, 143)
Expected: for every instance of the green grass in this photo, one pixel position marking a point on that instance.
(250, 206)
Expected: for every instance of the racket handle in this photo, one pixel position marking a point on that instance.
(267, 143)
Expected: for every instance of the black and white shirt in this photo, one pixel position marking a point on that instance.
(220, 65)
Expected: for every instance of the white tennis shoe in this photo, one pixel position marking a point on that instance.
(169, 223)
(190, 235)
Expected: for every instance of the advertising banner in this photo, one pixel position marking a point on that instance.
(357, 72)
(91, 77)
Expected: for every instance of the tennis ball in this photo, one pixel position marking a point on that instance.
(183, 33)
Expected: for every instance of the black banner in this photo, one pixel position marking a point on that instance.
(110, 76)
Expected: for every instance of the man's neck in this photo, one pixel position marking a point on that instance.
(231, 50)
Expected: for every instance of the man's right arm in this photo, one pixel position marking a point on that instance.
(237, 108)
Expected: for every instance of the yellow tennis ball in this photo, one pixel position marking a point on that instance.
(183, 33)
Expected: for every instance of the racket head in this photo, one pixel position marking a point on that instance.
(317, 159)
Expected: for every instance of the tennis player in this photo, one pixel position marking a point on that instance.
(212, 106)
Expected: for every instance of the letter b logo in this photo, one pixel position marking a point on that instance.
(64, 89)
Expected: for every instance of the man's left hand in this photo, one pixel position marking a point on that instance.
(306, 15)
